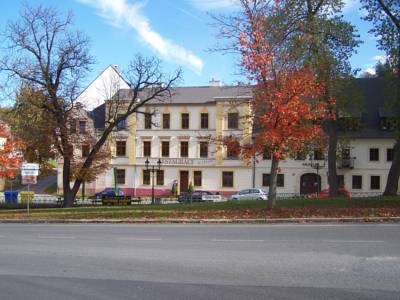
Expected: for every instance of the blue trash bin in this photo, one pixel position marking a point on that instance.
(11, 196)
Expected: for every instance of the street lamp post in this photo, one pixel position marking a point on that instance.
(253, 138)
(152, 169)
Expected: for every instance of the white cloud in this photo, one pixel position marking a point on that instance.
(370, 71)
(214, 4)
(120, 12)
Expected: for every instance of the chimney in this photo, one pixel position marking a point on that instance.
(214, 82)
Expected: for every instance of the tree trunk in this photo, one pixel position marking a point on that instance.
(330, 128)
(67, 192)
(392, 183)
(70, 193)
(272, 183)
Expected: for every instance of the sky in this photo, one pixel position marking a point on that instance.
(179, 32)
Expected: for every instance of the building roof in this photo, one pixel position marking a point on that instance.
(372, 91)
(108, 81)
(98, 115)
(374, 102)
(195, 95)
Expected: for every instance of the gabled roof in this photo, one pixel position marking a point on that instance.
(108, 81)
(98, 76)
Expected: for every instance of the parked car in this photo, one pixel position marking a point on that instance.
(199, 196)
(108, 192)
(250, 194)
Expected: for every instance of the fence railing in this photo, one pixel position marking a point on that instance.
(57, 200)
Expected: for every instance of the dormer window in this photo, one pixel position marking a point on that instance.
(387, 124)
(387, 121)
(349, 122)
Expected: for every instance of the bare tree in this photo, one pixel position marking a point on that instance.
(44, 52)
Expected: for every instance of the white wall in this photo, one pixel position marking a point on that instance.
(102, 88)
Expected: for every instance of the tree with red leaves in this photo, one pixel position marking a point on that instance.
(287, 109)
(11, 155)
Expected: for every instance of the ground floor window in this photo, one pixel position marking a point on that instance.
(227, 179)
(197, 178)
(146, 177)
(357, 182)
(375, 182)
(160, 177)
(120, 174)
(280, 180)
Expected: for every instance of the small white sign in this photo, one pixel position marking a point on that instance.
(28, 179)
(213, 198)
(29, 169)
(30, 166)
(29, 172)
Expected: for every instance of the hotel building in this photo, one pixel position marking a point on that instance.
(184, 133)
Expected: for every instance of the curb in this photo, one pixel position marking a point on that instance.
(207, 221)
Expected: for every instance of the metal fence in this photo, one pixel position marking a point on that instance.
(43, 199)
(56, 200)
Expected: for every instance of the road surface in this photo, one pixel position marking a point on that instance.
(58, 261)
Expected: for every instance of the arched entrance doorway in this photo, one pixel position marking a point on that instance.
(310, 183)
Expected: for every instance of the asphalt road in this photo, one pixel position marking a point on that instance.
(199, 261)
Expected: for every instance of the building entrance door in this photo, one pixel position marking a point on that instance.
(184, 181)
(310, 183)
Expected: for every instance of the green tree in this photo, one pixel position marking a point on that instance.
(34, 126)
(311, 33)
(318, 35)
(385, 17)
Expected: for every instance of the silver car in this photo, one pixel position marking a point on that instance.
(249, 194)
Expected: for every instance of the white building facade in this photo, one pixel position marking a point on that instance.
(185, 135)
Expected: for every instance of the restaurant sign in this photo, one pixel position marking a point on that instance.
(188, 161)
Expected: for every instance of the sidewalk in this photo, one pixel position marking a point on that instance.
(208, 221)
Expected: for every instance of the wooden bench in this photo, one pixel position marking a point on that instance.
(118, 200)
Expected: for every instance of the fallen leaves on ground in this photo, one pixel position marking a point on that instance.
(259, 213)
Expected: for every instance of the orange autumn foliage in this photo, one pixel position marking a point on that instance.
(11, 155)
(287, 110)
